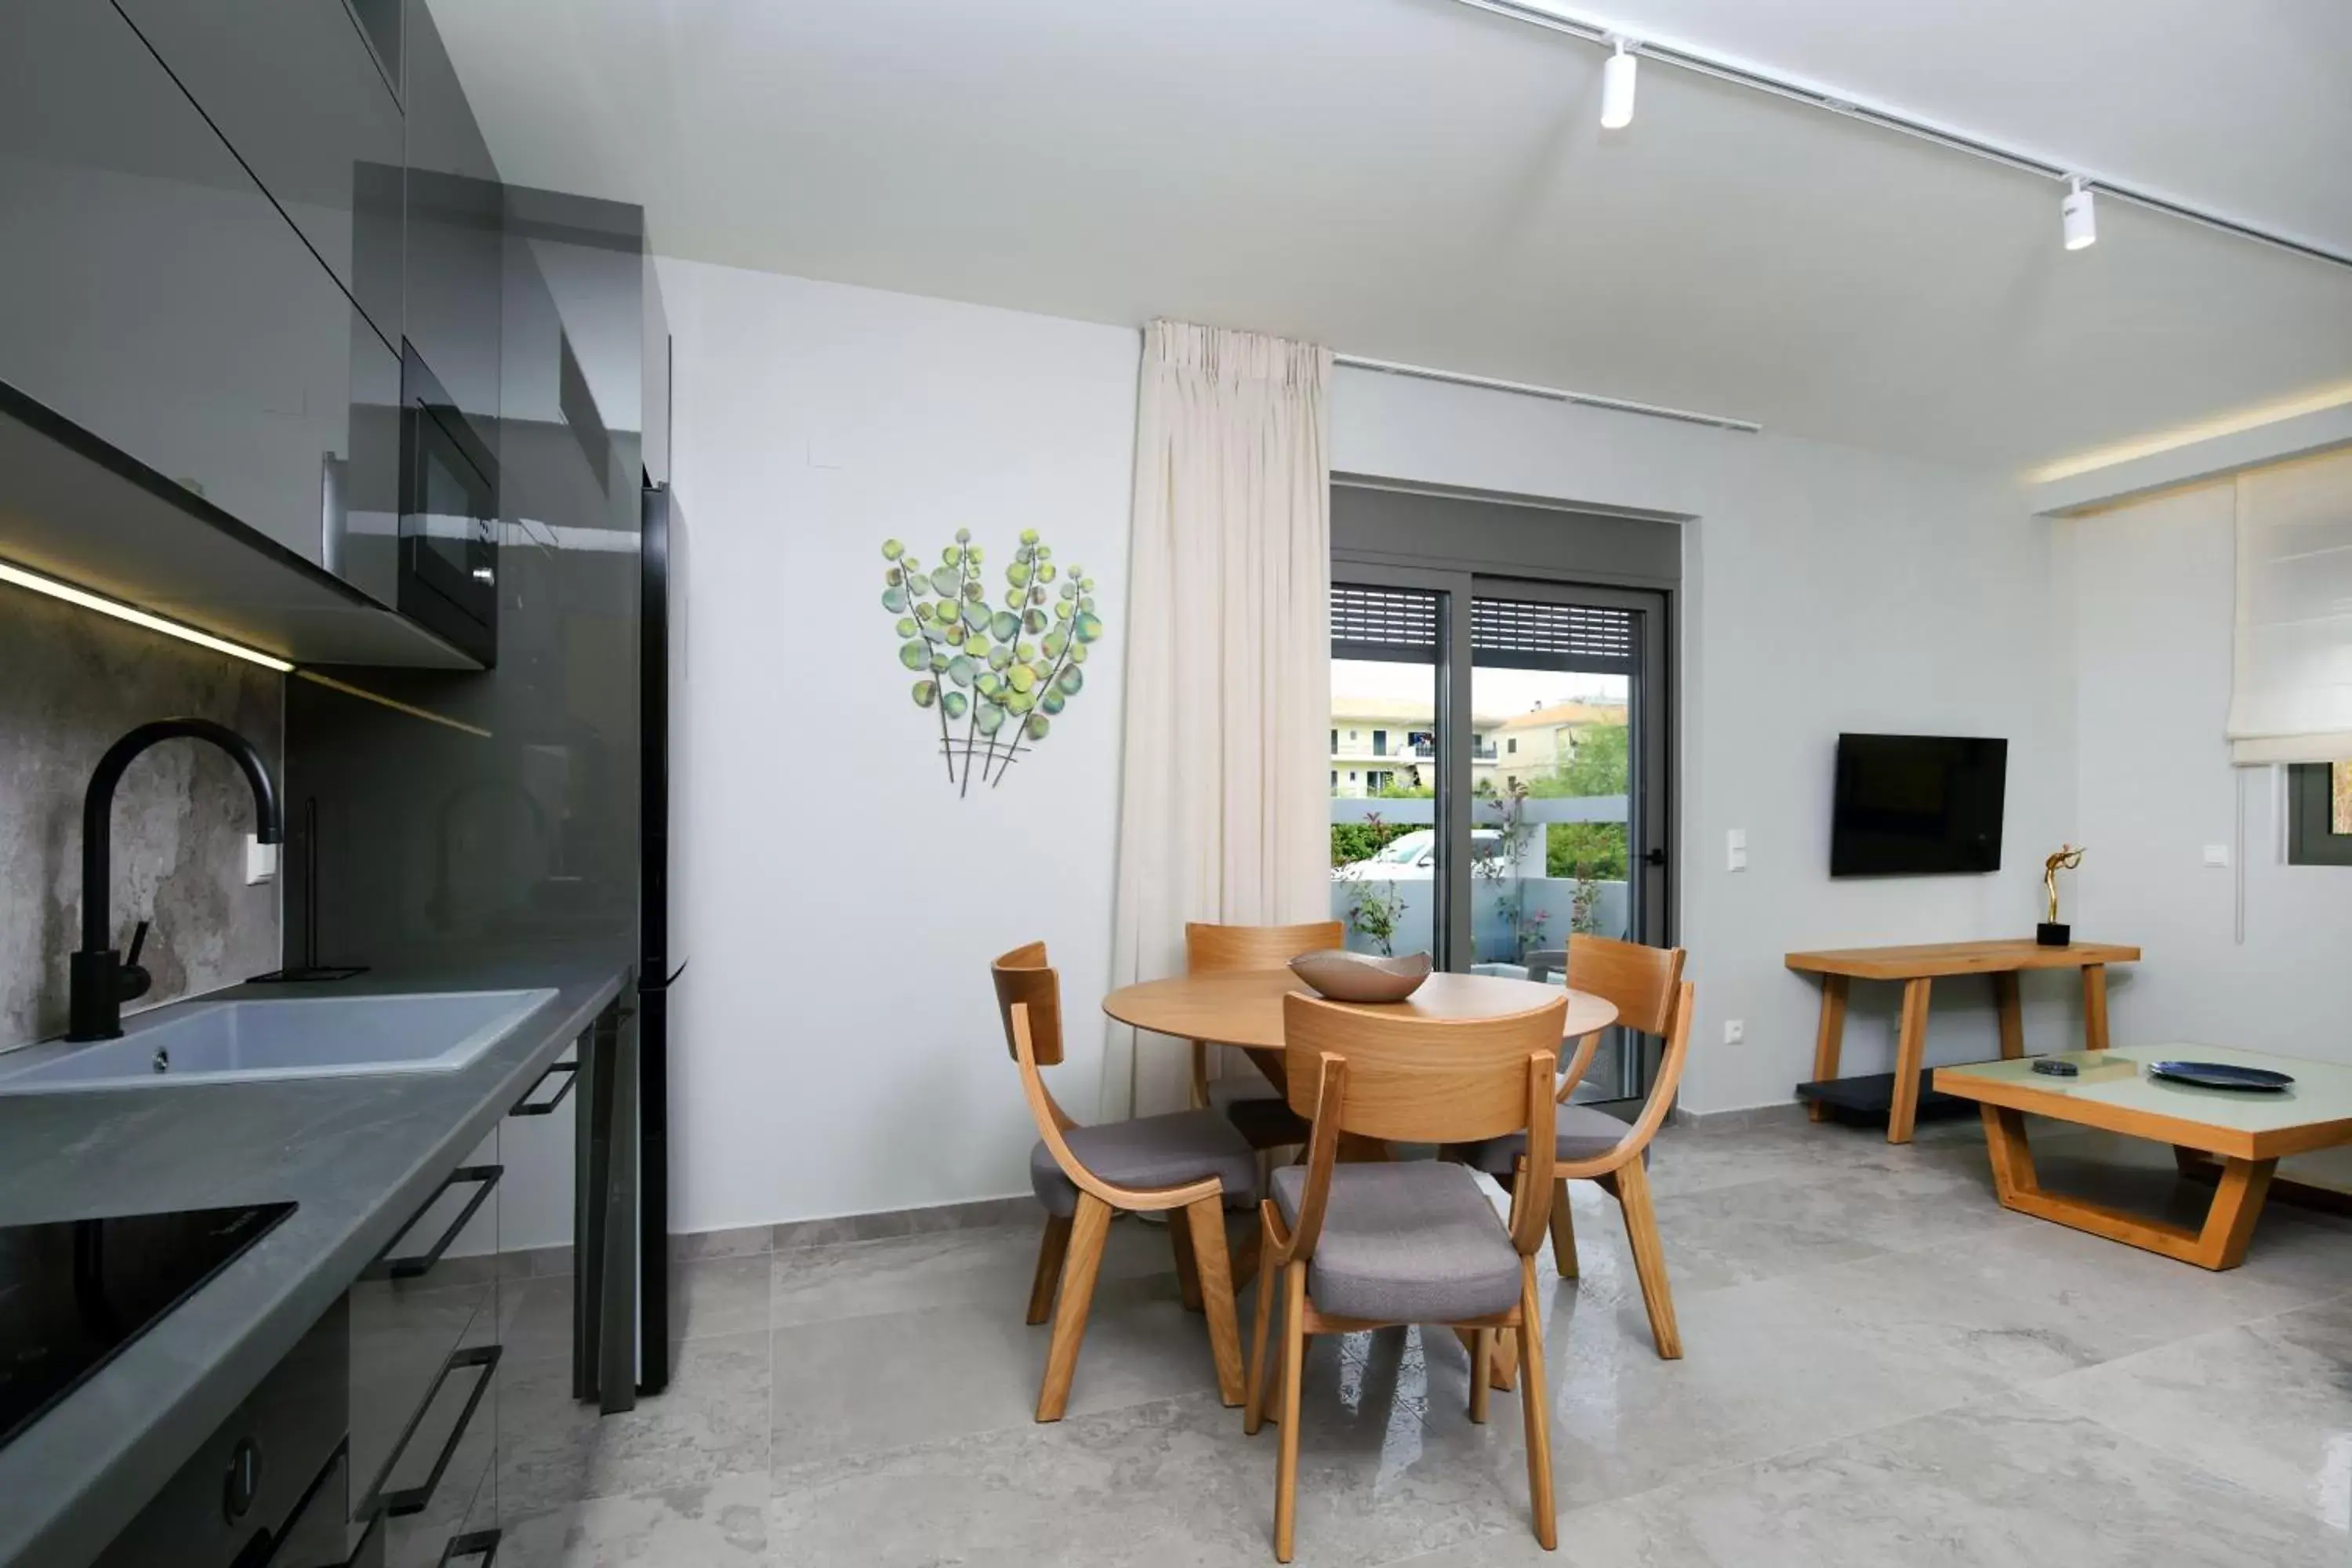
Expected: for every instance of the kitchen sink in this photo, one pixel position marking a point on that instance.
(279, 1037)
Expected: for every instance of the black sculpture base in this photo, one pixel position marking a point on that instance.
(2049, 935)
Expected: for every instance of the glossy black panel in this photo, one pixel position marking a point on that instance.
(448, 517)
(508, 823)
(152, 294)
(295, 90)
(74, 1292)
(456, 230)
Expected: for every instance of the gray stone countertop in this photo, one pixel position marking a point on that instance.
(360, 1155)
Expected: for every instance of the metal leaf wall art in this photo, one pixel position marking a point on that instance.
(994, 674)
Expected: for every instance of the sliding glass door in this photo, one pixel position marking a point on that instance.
(1498, 773)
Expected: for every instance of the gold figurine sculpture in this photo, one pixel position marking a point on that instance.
(2051, 933)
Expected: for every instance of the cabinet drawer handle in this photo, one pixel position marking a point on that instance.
(524, 1106)
(412, 1500)
(418, 1263)
(360, 1557)
(327, 1494)
(482, 1543)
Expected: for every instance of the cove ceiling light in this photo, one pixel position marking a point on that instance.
(2080, 214)
(1617, 80)
(137, 617)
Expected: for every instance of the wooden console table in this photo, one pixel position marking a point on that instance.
(1919, 968)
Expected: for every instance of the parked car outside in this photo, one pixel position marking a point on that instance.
(1412, 856)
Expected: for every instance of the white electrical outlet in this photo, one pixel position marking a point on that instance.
(1735, 849)
(260, 862)
(1735, 1030)
(2218, 855)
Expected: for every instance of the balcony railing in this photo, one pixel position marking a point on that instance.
(1420, 752)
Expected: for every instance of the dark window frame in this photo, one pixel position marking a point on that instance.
(2311, 837)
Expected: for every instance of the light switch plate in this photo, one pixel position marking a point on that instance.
(1735, 1030)
(2217, 855)
(260, 862)
(1735, 849)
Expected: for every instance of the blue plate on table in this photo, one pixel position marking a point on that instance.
(2222, 1074)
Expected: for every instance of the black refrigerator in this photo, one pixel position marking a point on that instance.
(661, 960)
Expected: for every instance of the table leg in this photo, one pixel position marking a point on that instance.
(2095, 1006)
(2012, 1016)
(2199, 1166)
(2219, 1243)
(1829, 1037)
(1910, 1052)
(1270, 1064)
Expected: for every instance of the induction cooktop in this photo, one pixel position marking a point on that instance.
(74, 1292)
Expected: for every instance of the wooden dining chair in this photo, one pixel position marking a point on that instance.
(1652, 998)
(1192, 1161)
(1376, 1243)
(1250, 1102)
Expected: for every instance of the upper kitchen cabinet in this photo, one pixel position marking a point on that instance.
(455, 231)
(154, 295)
(300, 93)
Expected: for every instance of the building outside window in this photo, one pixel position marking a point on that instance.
(2319, 814)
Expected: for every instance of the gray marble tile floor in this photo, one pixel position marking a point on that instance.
(1882, 1368)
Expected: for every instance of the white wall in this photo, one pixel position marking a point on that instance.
(838, 1049)
(2152, 603)
(1825, 589)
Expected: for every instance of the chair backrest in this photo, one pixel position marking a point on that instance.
(1420, 1079)
(1544, 961)
(1640, 980)
(1660, 1097)
(1023, 976)
(1424, 1081)
(1209, 949)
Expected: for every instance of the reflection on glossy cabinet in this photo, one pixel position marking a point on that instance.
(295, 90)
(151, 293)
(455, 231)
(425, 1365)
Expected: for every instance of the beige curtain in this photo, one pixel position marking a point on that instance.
(1223, 812)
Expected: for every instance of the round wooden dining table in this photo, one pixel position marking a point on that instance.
(1244, 1007)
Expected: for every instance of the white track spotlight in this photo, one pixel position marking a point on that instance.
(2081, 214)
(1617, 88)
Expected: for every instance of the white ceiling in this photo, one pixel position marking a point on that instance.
(1417, 180)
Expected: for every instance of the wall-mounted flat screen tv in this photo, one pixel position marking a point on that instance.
(1917, 805)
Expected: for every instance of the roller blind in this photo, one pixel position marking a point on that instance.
(2291, 698)
(1395, 623)
(1516, 635)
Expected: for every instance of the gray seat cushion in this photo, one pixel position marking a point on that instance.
(1583, 1132)
(1150, 1151)
(1416, 1242)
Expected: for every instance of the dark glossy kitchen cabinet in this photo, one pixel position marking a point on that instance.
(455, 231)
(151, 293)
(295, 90)
(259, 1478)
(425, 1367)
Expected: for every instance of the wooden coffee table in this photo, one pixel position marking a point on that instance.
(2236, 1139)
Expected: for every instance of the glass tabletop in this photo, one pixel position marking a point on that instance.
(2119, 1077)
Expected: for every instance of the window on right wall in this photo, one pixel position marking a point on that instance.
(2319, 814)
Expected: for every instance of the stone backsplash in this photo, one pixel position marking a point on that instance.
(72, 682)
